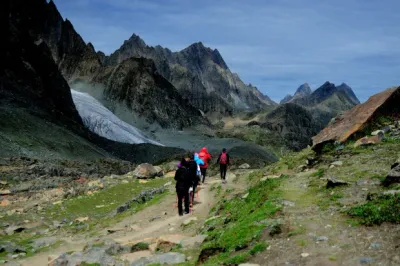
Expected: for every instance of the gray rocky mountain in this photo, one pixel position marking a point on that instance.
(134, 84)
(302, 92)
(199, 73)
(37, 115)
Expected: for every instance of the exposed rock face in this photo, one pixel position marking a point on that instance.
(302, 92)
(133, 84)
(293, 123)
(35, 94)
(352, 122)
(199, 73)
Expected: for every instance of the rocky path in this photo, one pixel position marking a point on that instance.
(314, 234)
(156, 225)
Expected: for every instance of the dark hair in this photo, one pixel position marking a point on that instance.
(191, 156)
(183, 162)
(223, 150)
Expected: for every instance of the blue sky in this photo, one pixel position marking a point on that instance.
(274, 44)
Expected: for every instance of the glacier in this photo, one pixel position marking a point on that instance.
(103, 122)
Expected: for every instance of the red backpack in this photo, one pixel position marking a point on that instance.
(223, 159)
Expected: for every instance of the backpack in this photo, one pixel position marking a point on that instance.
(223, 159)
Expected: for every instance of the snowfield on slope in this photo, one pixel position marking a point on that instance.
(103, 122)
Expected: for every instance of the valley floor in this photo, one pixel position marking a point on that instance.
(280, 215)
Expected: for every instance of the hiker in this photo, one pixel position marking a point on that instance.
(223, 161)
(182, 186)
(193, 175)
(206, 157)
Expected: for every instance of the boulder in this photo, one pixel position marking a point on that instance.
(169, 167)
(368, 141)
(159, 171)
(145, 171)
(163, 259)
(355, 120)
(393, 176)
(332, 182)
(244, 166)
(397, 124)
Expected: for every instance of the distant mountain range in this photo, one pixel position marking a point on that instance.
(303, 115)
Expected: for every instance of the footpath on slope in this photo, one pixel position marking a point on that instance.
(158, 222)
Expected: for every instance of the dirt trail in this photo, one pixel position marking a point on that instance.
(152, 222)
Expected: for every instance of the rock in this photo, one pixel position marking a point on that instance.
(311, 161)
(14, 229)
(391, 192)
(91, 256)
(145, 171)
(265, 178)
(244, 166)
(4, 203)
(166, 258)
(337, 163)
(190, 220)
(305, 255)
(302, 167)
(353, 121)
(43, 242)
(375, 245)
(249, 264)
(245, 196)
(322, 238)
(11, 248)
(3, 182)
(153, 248)
(368, 141)
(393, 176)
(169, 167)
(366, 260)
(388, 129)
(159, 171)
(154, 218)
(5, 192)
(332, 182)
(82, 219)
(288, 203)
(377, 132)
(114, 230)
(168, 242)
(397, 124)
(193, 241)
(132, 257)
(168, 184)
(57, 202)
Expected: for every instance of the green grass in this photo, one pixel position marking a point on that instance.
(108, 200)
(260, 247)
(384, 208)
(245, 222)
(319, 173)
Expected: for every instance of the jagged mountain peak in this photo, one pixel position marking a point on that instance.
(135, 39)
(286, 99)
(303, 90)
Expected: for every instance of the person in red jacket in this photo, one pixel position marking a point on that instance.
(206, 157)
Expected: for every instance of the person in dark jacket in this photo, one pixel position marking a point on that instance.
(192, 174)
(182, 186)
(223, 161)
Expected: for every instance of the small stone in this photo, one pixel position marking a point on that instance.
(244, 166)
(322, 238)
(125, 181)
(172, 229)
(82, 219)
(168, 184)
(366, 260)
(245, 196)
(5, 192)
(57, 202)
(3, 182)
(337, 163)
(305, 255)
(154, 218)
(375, 245)
(377, 132)
(4, 203)
(302, 167)
(289, 203)
(100, 206)
(332, 182)
(249, 264)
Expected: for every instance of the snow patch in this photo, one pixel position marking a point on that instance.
(103, 122)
